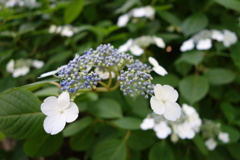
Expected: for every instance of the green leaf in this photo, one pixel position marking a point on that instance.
(111, 149)
(169, 17)
(229, 111)
(192, 57)
(234, 149)
(194, 23)
(161, 150)
(82, 140)
(128, 123)
(198, 141)
(73, 11)
(42, 144)
(231, 4)
(48, 91)
(235, 54)
(137, 142)
(234, 134)
(77, 126)
(219, 76)
(106, 108)
(194, 88)
(169, 79)
(20, 114)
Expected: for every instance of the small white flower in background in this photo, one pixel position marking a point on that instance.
(148, 123)
(66, 30)
(37, 64)
(164, 102)
(50, 73)
(140, 12)
(224, 137)
(137, 45)
(156, 67)
(59, 111)
(183, 130)
(123, 20)
(229, 38)
(103, 73)
(217, 35)
(22, 3)
(211, 144)
(187, 45)
(10, 66)
(20, 71)
(162, 130)
(204, 44)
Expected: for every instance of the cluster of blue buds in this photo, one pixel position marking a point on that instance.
(132, 75)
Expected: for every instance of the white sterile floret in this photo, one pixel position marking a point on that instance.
(50, 73)
(139, 12)
(37, 64)
(10, 66)
(211, 144)
(123, 20)
(103, 73)
(59, 111)
(229, 38)
(136, 50)
(224, 137)
(159, 42)
(162, 130)
(148, 123)
(187, 45)
(20, 71)
(150, 12)
(156, 67)
(217, 35)
(164, 102)
(204, 44)
(125, 47)
(184, 130)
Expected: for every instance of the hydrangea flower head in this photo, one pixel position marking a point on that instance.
(59, 111)
(164, 102)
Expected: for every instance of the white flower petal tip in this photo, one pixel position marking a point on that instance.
(204, 44)
(224, 137)
(123, 20)
(230, 38)
(136, 50)
(159, 42)
(156, 67)
(52, 72)
(211, 144)
(164, 102)
(217, 35)
(162, 130)
(59, 111)
(187, 45)
(148, 123)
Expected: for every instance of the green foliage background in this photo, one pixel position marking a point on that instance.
(108, 127)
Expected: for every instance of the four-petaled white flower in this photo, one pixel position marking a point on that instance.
(156, 67)
(211, 144)
(164, 102)
(59, 111)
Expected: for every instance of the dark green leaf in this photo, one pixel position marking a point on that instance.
(73, 11)
(128, 123)
(169, 79)
(192, 57)
(234, 134)
(219, 76)
(235, 54)
(231, 4)
(234, 149)
(161, 150)
(170, 17)
(198, 141)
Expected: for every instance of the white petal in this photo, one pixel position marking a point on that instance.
(170, 94)
(153, 61)
(10, 66)
(63, 100)
(20, 71)
(136, 50)
(150, 12)
(139, 12)
(71, 113)
(157, 106)
(147, 123)
(204, 44)
(187, 45)
(160, 70)
(224, 137)
(162, 130)
(211, 144)
(52, 29)
(172, 111)
(229, 38)
(125, 47)
(37, 64)
(50, 106)
(54, 124)
(188, 110)
(217, 35)
(159, 42)
(47, 74)
(123, 20)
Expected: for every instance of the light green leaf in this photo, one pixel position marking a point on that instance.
(219, 76)
(82, 140)
(73, 11)
(231, 4)
(161, 150)
(48, 91)
(128, 123)
(42, 144)
(194, 23)
(198, 141)
(194, 88)
(77, 126)
(111, 149)
(192, 57)
(106, 108)
(20, 114)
